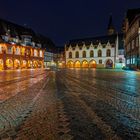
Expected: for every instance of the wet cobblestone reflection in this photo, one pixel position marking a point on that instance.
(80, 104)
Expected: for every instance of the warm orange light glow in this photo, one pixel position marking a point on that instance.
(77, 64)
(92, 64)
(14, 56)
(16, 64)
(84, 64)
(1, 64)
(70, 64)
(9, 63)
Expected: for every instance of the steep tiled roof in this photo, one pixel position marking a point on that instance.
(94, 40)
(16, 30)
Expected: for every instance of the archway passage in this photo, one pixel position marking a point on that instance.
(1, 64)
(9, 64)
(77, 64)
(70, 64)
(109, 63)
(16, 64)
(92, 64)
(85, 64)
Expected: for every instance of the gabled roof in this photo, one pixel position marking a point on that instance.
(99, 39)
(94, 40)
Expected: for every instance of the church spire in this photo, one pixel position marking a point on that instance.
(111, 29)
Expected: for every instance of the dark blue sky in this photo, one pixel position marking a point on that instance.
(62, 20)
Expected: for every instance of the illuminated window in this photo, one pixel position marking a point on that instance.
(23, 51)
(108, 53)
(35, 53)
(77, 54)
(17, 51)
(41, 54)
(133, 60)
(128, 61)
(84, 54)
(91, 54)
(99, 53)
(70, 54)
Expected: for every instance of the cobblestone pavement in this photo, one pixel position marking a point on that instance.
(20, 80)
(101, 104)
(70, 105)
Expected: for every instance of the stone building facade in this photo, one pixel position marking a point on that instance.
(131, 30)
(99, 52)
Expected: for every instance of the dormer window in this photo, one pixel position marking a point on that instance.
(27, 39)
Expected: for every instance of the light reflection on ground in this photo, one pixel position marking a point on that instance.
(13, 82)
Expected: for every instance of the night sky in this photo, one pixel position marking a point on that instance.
(62, 20)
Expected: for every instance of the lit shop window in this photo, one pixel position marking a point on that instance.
(128, 61)
(133, 60)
